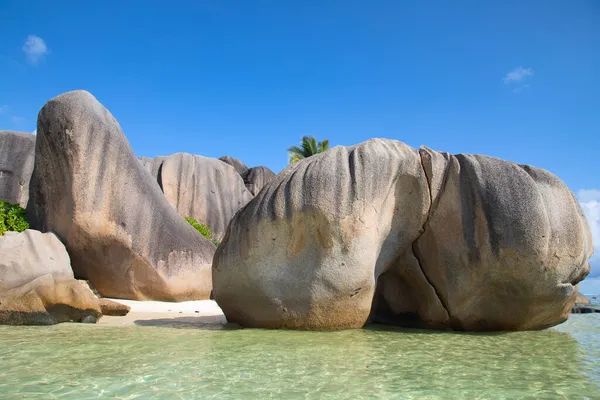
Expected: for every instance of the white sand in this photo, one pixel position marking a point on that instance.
(160, 313)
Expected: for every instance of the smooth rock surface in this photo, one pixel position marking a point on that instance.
(154, 167)
(119, 229)
(37, 286)
(239, 166)
(113, 308)
(206, 189)
(581, 299)
(382, 232)
(257, 177)
(16, 165)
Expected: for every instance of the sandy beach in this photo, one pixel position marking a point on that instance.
(200, 313)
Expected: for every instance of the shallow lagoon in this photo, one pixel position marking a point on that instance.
(78, 361)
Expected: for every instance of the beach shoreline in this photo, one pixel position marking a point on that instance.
(160, 313)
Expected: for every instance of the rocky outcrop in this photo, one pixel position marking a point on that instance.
(113, 308)
(239, 166)
(120, 231)
(258, 177)
(153, 166)
(16, 166)
(382, 232)
(254, 178)
(37, 286)
(581, 299)
(204, 188)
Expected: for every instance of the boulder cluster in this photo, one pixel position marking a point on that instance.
(377, 232)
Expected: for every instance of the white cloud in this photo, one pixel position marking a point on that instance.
(35, 49)
(517, 75)
(34, 132)
(3, 109)
(588, 195)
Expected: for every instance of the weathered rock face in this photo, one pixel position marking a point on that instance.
(239, 166)
(204, 188)
(36, 282)
(258, 177)
(305, 253)
(16, 166)
(153, 166)
(382, 232)
(120, 231)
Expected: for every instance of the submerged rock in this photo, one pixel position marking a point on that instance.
(121, 232)
(16, 166)
(382, 232)
(204, 188)
(37, 286)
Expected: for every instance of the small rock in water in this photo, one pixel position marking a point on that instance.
(89, 319)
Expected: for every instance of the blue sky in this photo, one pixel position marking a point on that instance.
(514, 79)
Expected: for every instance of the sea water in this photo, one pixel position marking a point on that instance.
(79, 361)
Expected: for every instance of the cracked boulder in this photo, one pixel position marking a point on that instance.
(37, 286)
(16, 165)
(385, 233)
(120, 231)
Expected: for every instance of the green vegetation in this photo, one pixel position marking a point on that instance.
(203, 229)
(308, 147)
(12, 218)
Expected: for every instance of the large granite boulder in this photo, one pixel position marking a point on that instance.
(121, 232)
(258, 177)
(206, 189)
(37, 286)
(16, 165)
(239, 166)
(153, 166)
(382, 232)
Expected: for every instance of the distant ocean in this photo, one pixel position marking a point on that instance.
(594, 298)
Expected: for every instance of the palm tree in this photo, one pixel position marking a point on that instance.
(308, 147)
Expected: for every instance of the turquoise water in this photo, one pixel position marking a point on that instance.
(78, 361)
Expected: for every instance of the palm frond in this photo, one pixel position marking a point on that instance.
(309, 144)
(323, 146)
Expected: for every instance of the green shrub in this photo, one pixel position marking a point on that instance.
(203, 229)
(12, 218)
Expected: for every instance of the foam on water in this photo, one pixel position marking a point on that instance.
(77, 361)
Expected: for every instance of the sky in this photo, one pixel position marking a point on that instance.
(513, 79)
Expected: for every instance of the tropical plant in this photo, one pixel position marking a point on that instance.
(12, 218)
(308, 147)
(203, 229)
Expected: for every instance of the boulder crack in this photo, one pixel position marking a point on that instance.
(415, 247)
